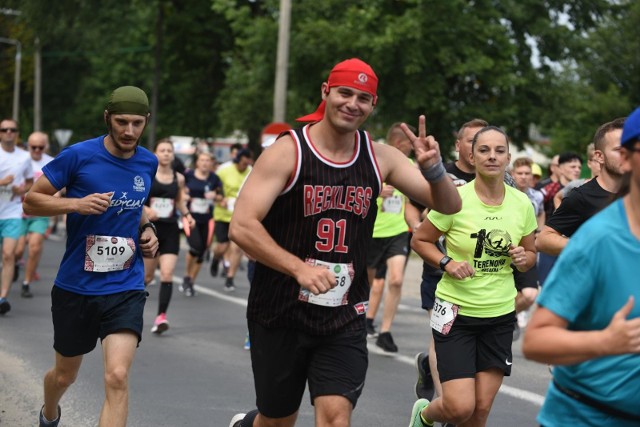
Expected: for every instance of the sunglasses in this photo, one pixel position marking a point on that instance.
(36, 147)
(3, 130)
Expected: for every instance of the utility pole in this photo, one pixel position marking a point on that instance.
(37, 87)
(16, 80)
(282, 63)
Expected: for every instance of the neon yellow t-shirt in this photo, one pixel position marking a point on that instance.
(481, 235)
(232, 180)
(390, 219)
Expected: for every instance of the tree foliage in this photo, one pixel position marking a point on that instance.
(565, 66)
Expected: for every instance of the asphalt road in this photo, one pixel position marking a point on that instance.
(198, 374)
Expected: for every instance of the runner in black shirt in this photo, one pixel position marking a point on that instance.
(304, 213)
(585, 201)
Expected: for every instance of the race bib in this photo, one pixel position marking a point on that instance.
(6, 193)
(231, 204)
(108, 253)
(163, 206)
(443, 315)
(200, 205)
(392, 204)
(337, 296)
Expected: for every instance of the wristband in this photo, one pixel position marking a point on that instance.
(434, 173)
(148, 225)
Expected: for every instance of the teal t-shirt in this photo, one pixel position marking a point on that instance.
(481, 234)
(592, 279)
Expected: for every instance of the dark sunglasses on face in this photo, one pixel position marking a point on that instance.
(36, 147)
(3, 130)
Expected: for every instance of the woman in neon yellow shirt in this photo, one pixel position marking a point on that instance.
(474, 313)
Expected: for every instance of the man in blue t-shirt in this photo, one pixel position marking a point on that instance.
(588, 322)
(101, 276)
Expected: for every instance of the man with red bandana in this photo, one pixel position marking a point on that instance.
(305, 215)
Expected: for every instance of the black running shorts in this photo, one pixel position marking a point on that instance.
(474, 345)
(221, 231)
(79, 320)
(283, 360)
(383, 248)
(168, 237)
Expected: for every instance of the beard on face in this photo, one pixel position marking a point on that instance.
(115, 140)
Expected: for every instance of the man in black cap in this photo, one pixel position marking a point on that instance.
(101, 276)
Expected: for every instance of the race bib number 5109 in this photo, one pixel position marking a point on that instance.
(109, 253)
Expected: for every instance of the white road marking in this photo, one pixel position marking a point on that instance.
(518, 393)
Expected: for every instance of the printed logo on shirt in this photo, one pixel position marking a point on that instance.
(495, 244)
(124, 202)
(138, 184)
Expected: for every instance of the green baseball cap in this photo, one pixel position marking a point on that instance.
(128, 100)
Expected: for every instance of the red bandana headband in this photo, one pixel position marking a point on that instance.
(352, 73)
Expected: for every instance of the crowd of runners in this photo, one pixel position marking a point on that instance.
(327, 218)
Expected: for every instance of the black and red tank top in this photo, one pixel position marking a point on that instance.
(325, 214)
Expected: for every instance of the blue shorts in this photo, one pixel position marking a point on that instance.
(36, 224)
(11, 228)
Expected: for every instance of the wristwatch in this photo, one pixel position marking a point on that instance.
(444, 261)
(148, 225)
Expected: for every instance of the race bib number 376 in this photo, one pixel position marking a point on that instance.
(108, 253)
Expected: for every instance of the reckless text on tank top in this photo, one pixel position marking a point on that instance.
(326, 212)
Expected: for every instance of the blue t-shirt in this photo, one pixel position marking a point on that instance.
(593, 278)
(86, 168)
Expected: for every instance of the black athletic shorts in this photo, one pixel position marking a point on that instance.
(221, 231)
(528, 279)
(197, 240)
(474, 345)
(283, 360)
(383, 248)
(168, 237)
(79, 320)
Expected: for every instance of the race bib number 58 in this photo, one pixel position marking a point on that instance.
(337, 296)
(108, 253)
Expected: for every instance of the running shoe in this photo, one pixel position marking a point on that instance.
(26, 292)
(385, 342)
(189, 291)
(371, 329)
(418, 407)
(228, 285)
(236, 420)
(43, 421)
(516, 332)
(5, 307)
(247, 342)
(161, 324)
(184, 284)
(424, 385)
(215, 264)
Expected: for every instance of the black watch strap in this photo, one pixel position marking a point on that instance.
(148, 225)
(444, 261)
